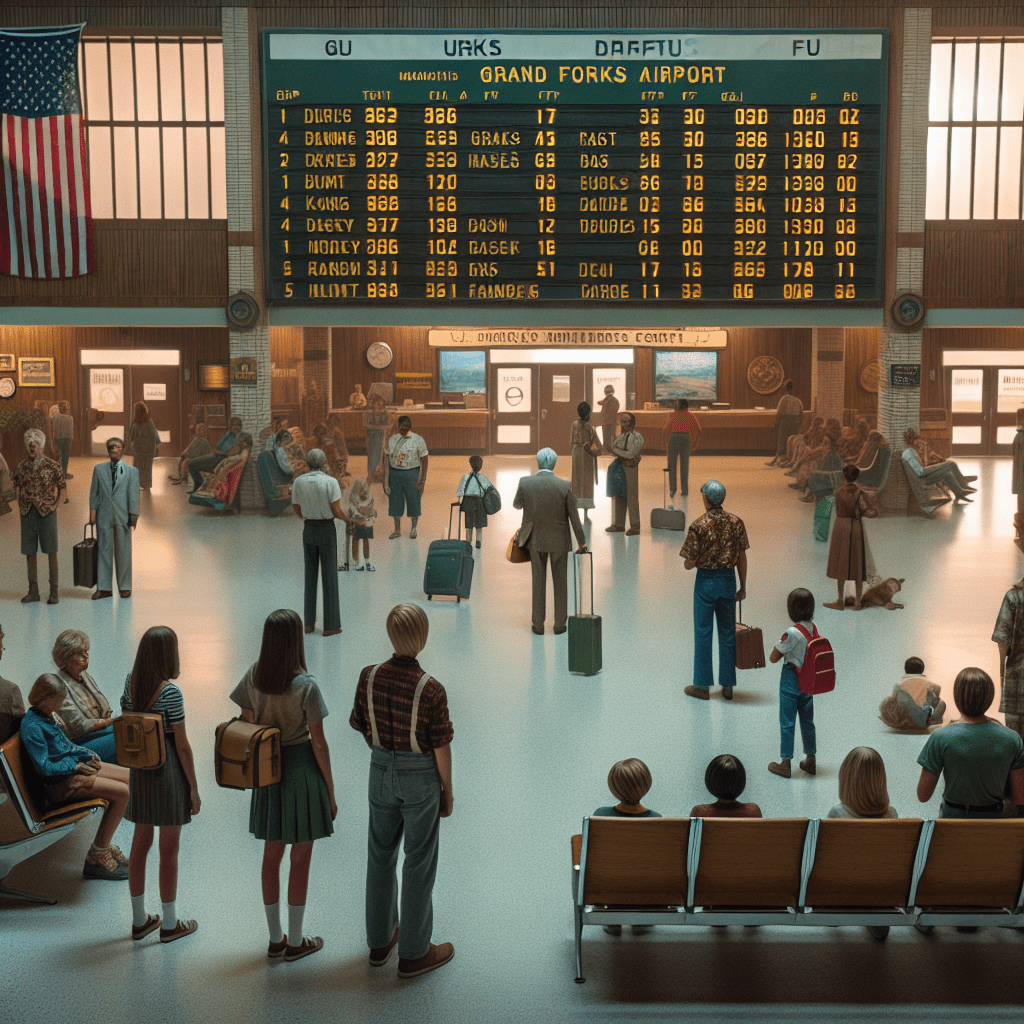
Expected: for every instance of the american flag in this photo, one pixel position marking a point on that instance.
(45, 213)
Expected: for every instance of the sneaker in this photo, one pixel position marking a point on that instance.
(370, 568)
(105, 865)
(179, 931)
(118, 855)
(382, 954)
(276, 949)
(781, 768)
(359, 568)
(343, 567)
(700, 692)
(436, 956)
(307, 947)
(151, 925)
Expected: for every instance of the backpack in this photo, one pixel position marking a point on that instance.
(818, 672)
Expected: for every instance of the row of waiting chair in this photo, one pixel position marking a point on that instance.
(797, 872)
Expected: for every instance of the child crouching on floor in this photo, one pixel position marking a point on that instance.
(361, 513)
(471, 490)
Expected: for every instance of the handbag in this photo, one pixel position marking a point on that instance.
(515, 553)
(615, 480)
(139, 738)
(247, 755)
(492, 499)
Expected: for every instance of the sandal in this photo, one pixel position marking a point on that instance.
(179, 931)
(307, 947)
(151, 925)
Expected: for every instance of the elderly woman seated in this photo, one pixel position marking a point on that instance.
(85, 715)
(219, 487)
(197, 448)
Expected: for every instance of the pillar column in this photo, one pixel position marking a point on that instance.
(316, 369)
(828, 371)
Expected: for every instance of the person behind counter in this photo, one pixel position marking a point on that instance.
(681, 437)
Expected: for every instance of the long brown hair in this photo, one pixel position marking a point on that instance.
(155, 661)
(141, 412)
(282, 653)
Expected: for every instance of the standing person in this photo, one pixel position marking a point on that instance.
(316, 498)
(609, 415)
(227, 445)
(716, 546)
(114, 508)
(682, 438)
(402, 713)
(977, 755)
(39, 481)
(1009, 635)
(301, 808)
(62, 428)
(405, 475)
(791, 650)
(549, 510)
(375, 420)
(142, 443)
(471, 490)
(165, 797)
(846, 553)
(1017, 484)
(361, 515)
(626, 448)
(788, 414)
(585, 450)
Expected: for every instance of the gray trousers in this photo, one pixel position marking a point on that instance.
(405, 801)
(63, 446)
(630, 501)
(788, 426)
(559, 577)
(114, 544)
(320, 553)
(678, 452)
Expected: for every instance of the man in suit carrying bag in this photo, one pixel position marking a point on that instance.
(549, 509)
(114, 508)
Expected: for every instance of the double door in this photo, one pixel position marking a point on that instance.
(984, 402)
(113, 388)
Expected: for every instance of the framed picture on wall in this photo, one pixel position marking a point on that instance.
(7, 363)
(35, 372)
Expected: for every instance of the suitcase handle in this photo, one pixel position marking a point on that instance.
(85, 531)
(455, 505)
(664, 489)
(577, 585)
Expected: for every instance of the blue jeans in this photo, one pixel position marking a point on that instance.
(714, 596)
(405, 797)
(101, 743)
(792, 703)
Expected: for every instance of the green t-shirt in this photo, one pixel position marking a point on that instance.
(975, 759)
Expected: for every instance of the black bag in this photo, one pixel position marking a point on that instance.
(87, 559)
(492, 499)
(584, 628)
(449, 568)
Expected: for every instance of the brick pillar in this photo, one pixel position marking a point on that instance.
(252, 404)
(828, 380)
(899, 408)
(316, 366)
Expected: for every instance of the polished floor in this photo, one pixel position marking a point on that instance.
(532, 749)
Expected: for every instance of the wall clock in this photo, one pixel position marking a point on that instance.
(907, 310)
(7, 387)
(379, 355)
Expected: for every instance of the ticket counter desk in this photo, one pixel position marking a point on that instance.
(723, 431)
(446, 431)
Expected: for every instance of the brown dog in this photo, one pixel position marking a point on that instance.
(881, 595)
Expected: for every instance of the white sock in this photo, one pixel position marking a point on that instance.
(295, 915)
(355, 558)
(139, 915)
(273, 912)
(169, 913)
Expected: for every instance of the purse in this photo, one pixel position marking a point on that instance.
(139, 738)
(515, 553)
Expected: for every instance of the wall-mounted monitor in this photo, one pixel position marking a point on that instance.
(213, 377)
(462, 372)
(690, 375)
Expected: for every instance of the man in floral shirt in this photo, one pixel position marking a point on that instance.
(39, 481)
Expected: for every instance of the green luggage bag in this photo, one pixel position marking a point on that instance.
(584, 626)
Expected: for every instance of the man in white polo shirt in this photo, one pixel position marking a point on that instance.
(405, 473)
(316, 498)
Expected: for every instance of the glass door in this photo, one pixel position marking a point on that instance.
(984, 401)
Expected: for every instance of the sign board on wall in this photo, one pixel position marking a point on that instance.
(106, 389)
(244, 372)
(603, 376)
(515, 386)
(905, 375)
(154, 392)
(570, 337)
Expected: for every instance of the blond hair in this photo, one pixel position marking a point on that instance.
(630, 780)
(46, 686)
(408, 627)
(67, 645)
(862, 785)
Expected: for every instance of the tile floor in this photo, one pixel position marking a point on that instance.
(532, 748)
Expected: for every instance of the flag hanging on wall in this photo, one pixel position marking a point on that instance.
(45, 214)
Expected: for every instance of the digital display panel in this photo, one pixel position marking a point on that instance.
(690, 375)
(617, 168)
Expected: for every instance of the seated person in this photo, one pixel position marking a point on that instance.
(12, 707)
(947, 474)
(866, 456)
(222, 483)
(72, 773)
(227, 445)
(862, 788)
(85, 716)
(802, 443)
(629, 781)
(357, 400)
(977, 755)
(197, 448)
(915, 702)
(853, 440)
(814, 475)
(278, 446)
(725, 779)
(277, 424)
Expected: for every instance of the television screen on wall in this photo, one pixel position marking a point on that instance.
(690, 375)
(463, 373)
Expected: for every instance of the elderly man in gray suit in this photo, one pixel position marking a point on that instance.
(114, 508)
(549, 509)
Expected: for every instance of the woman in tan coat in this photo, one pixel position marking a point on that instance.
(847, 552)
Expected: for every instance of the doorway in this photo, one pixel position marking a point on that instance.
(513, 416)
(984, 402)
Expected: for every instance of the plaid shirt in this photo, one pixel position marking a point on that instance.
(393, 690)
(715, 540)
(38, 484)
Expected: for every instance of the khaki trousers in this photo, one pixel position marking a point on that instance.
(632, 500)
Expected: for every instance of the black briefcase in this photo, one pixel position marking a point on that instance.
(87, 558)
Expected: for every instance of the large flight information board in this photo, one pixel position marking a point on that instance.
(618, 168)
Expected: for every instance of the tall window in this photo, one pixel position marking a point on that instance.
(154, 106)
(975, 120)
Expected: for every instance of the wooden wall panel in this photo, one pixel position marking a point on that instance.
(972, 264)
(862, 345)
(412, 355)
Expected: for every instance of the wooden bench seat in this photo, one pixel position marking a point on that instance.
(26, 824)
(797, 872)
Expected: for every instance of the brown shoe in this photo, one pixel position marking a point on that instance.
(700, 692)
(179, 931)
(125, 593)
(380, 955)
(437, 956)
(276, 949)
(151, 925)
(808, 765)
(332, 632)
(307, 947)
(781, 768)
(100, 594)
(615, 529)
(632, 531)
(308, 629)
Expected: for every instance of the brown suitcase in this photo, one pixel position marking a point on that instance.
(247, 756)
(139, 739)
(749, 643)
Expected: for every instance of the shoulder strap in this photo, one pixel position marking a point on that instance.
(477, 479)
(414, 716)
(375, 738)
(807, 636)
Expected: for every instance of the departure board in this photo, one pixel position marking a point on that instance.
(675, 167)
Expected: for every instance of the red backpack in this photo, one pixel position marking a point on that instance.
(818, 672)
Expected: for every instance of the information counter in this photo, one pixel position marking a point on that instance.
(728, 431)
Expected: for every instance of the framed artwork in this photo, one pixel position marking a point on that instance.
(7, 364)
(216, 416)
(35, 372)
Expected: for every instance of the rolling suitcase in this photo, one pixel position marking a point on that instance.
(86, 559)
(823, 517)
(749, 643)
(449, 568)
(667, 518)
(584, 626)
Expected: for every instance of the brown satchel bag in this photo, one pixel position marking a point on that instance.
(139, 738)
(247, 755)
(749, 644)
(515, 553)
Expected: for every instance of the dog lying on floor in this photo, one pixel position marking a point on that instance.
(881, 595)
